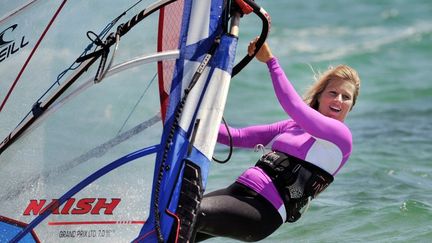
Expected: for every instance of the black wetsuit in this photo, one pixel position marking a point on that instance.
(237, 212)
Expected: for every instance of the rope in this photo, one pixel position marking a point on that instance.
(230, 145)
(136, 104)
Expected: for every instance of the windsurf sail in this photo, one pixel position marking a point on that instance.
(107, 153)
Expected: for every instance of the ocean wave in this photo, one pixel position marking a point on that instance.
(379, 38)
(326, 43)
(412, 206)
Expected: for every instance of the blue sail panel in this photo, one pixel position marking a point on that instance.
(191, 123)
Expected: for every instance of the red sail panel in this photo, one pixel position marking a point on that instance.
(168, 39)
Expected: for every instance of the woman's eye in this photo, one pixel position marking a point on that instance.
(346, 97)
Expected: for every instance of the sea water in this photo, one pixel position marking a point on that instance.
(384, 192)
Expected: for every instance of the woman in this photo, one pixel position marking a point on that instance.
(307, 151)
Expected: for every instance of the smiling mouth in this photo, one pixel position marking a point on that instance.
(335, 109)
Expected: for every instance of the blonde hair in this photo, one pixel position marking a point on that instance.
(342, 72)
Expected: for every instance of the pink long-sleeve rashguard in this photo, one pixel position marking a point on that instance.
(308, 135)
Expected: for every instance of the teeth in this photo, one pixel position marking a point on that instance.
(335, 108)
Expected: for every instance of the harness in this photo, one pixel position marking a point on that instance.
(296, 180)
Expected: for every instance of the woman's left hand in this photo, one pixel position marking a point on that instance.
(264, 54)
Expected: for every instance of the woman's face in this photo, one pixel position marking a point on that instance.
(337, 98)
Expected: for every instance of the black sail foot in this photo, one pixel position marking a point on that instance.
(191, 194)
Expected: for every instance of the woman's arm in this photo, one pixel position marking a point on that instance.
(309, 119)
(248, 137)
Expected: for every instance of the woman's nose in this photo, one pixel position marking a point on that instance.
(339, 97)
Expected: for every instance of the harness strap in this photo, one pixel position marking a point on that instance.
(296, 180)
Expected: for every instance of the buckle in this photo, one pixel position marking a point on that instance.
(270, 157)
